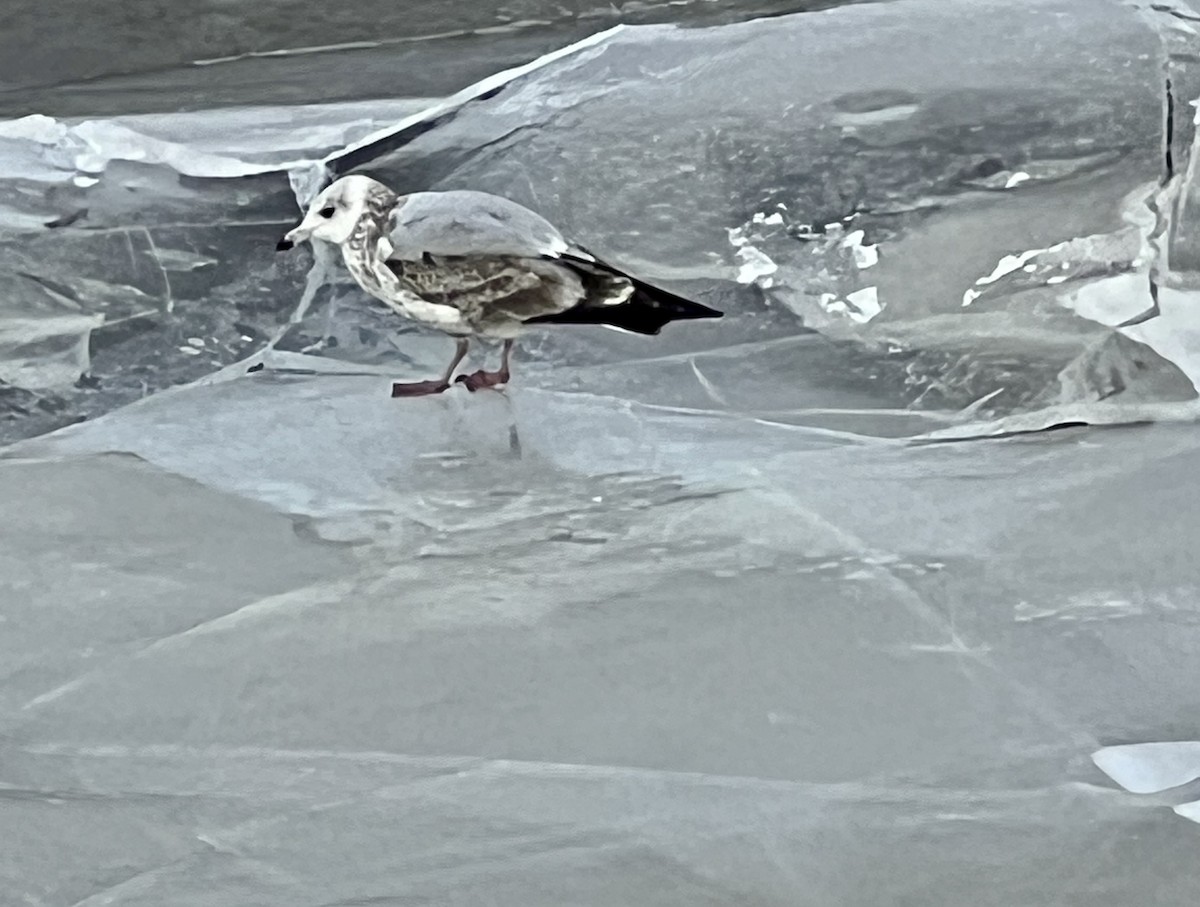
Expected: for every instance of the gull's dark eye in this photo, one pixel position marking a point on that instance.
(327, 212)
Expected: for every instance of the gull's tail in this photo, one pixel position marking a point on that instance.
(619, 300)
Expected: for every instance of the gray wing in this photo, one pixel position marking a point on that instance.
(468, 223)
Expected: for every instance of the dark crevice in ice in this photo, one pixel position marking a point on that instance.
(1168, 174)
(359, 157)
(1152, 312)
(1185, 15)
(1169, 133)
(1051, 428)
(67, 220)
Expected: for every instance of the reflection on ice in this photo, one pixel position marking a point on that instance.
(633, 601)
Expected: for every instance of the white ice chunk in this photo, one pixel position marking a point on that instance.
(108, 141)
(860, 306)
(1111, 301)
(755, 265)
(1008, 264)
(1174, 334)
(864, 256)
(878, 117)
(1148, 768)
(865, 304)
(227, 143)
(1190, 811)
(37, 128)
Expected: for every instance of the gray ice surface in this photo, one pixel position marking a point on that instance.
(805, 607)
(143, 56)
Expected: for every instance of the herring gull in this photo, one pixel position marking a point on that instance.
(473, 264)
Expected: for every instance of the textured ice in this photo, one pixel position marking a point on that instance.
(872, 236)
(561, 647)
(757, 611)
(233, 143)
(1087, 203)
(56, 57)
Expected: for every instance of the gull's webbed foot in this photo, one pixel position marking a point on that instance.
(481, 379)
(419, 388)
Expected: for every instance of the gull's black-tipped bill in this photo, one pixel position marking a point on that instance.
(284, 245)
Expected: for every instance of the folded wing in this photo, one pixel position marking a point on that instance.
(503, 266)
(496, 294)
(464, 222)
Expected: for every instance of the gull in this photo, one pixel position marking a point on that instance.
(472, 264)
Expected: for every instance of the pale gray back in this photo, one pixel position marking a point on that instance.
(468, 223)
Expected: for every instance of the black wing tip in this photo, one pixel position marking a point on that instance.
(646, 294)
(673, 307)
(638, 316)
(699, 310)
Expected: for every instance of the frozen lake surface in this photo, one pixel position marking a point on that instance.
(878, 591)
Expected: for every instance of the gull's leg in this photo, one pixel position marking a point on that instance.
(481, 379)
(423, 388)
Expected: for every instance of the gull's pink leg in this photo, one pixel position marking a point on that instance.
(424, 388)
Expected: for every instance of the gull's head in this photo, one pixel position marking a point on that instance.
(335, 213)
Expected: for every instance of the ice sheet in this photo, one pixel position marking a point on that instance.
(617, 646)
(755, 612)
(878, 262)
(59, 58)
(1090, 201)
